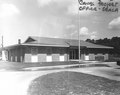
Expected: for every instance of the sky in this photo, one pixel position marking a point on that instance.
(20, 19)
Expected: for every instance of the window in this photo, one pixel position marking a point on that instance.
(61, 51)
(49, 51)
(34, 50)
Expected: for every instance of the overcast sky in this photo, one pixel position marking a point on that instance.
(54, 18)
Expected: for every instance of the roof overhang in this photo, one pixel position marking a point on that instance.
(44, 45)
(26, 44)
(100, 47)
(12, 46)
(76, 47)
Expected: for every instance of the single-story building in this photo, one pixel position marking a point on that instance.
(43, 49)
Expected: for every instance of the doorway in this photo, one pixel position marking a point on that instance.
(72, 54)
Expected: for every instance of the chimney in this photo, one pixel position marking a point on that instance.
(19, 41)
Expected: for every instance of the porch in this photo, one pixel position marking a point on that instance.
(74, 53)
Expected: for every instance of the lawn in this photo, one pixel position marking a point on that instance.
(73, 83)
(20, 66)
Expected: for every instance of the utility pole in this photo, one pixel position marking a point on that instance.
(2, 42)
(2, 49)
(79, 32)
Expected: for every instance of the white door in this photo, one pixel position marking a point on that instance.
(34, 58)
(62, 58)
(34, 54)
(49, 58)
(87, 57)
(4, 55)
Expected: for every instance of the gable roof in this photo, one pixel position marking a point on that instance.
(45, 41)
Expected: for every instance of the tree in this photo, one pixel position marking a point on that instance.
(113, 42)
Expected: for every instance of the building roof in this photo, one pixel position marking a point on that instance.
(44, 41)
(57, 42)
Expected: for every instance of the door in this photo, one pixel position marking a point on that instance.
(34, 52)
(4, 55)
(86, 57)
(72, 54)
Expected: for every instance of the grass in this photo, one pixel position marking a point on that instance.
(20, 66)
(73, 83)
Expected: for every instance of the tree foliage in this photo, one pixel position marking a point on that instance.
(113, 42)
